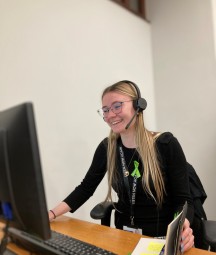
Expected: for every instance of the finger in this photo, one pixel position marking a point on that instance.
(186, 223)
(187, 239)
(188, 245)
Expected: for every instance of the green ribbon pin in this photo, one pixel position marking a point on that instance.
(136, 171)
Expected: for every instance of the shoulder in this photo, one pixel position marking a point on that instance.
(168, 144)
(103, 144)
(164, 138)
(101, 150)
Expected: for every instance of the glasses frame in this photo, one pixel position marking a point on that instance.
(101, 111)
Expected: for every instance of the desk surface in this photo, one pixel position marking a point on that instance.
(117, 241)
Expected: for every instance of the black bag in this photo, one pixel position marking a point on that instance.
(197, 192)
(199, 196)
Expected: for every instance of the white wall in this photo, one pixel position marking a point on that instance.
(60, 55)
(214, 22)
(185, 82)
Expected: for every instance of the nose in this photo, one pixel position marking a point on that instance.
(110, 115)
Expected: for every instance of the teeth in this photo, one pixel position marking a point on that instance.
(115, 122)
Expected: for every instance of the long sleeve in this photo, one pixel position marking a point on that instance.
(91, 180)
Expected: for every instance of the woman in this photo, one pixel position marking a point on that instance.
(147, 170)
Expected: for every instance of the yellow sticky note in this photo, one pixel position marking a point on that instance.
(155, 247)
(148, 254)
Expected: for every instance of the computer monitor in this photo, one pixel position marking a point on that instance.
(21, 180)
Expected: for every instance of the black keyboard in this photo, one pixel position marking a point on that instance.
(58, 244)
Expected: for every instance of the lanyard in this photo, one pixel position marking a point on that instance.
(135, 174)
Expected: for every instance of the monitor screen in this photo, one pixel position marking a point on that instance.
(21, 180)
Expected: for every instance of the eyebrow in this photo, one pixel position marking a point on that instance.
(118, 101)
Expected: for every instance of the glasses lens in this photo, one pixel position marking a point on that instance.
(116, 107)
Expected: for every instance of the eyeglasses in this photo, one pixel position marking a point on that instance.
(116, 108)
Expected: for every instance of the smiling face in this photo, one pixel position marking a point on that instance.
(120, 113)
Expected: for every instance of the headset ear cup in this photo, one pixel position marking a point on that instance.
(141, 103)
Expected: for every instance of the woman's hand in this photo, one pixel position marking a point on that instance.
(60, 209)
(51, 215)
(187, 237)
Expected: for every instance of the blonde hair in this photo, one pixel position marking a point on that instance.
(145, 146)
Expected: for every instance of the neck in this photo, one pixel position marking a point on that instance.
(128, 140)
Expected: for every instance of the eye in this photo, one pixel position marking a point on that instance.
(105, 109)
(117, 105)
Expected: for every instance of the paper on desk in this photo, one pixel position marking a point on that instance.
(148, 246)
(153, 246)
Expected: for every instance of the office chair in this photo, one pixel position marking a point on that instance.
(103, 210)
(209, 233)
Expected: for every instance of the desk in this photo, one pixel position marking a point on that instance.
(117, 241)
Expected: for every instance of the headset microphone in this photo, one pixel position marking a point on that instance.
(128, 125)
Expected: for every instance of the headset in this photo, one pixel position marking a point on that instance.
(140, 103)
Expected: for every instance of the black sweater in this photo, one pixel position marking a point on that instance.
(148, 216)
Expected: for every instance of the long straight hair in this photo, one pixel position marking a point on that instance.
(145, 142)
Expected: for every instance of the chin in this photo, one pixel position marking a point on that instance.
(118, 130)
